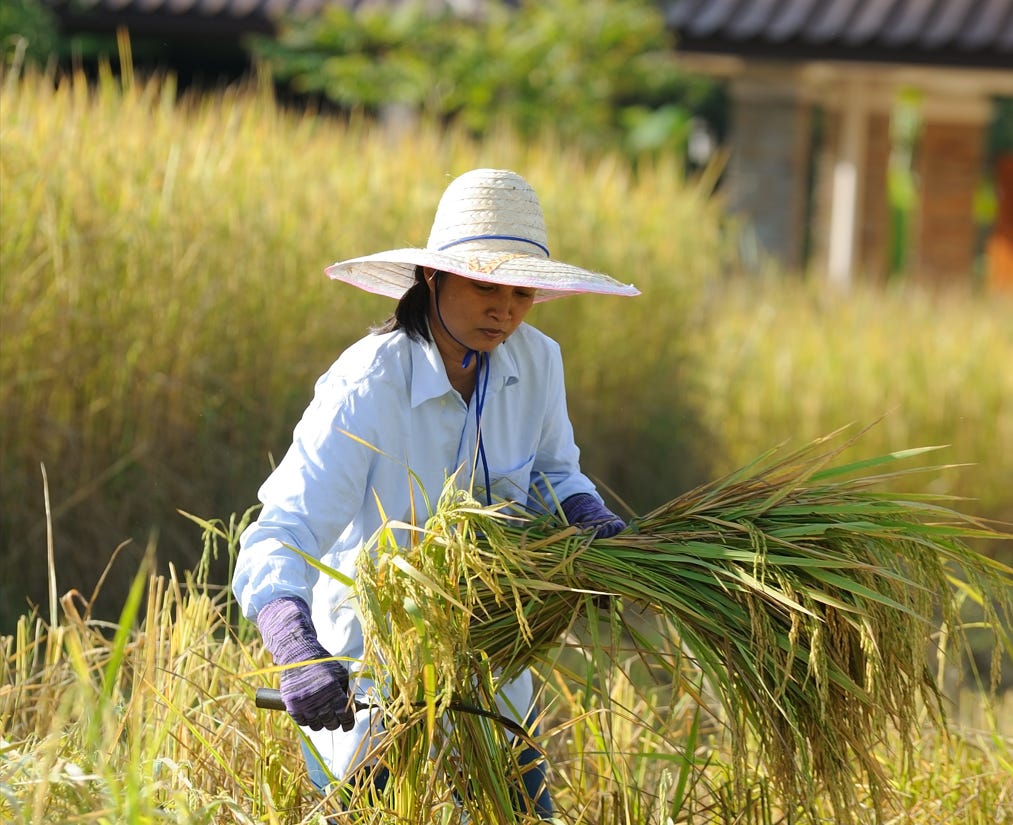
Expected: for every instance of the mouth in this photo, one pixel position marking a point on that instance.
(491, 334)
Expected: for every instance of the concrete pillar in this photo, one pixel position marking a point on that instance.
(850, 211)
(847, 186)
(766, 177)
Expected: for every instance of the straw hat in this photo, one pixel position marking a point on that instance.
(488, 227)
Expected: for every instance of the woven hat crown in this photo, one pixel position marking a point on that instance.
(488, 227)
(493, 209)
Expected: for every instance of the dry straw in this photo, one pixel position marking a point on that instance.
(804, 597)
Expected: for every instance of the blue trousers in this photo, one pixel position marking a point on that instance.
(536, 798)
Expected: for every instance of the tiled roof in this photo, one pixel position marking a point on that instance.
(175, 17)
(207, 17)
(944, 32)
(269, 9)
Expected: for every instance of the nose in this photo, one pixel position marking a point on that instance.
(502, 306)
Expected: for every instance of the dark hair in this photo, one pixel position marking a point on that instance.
(412, 311)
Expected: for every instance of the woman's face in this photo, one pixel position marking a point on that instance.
(479, 315)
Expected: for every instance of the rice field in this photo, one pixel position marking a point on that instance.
(151, 719)
(164, 314)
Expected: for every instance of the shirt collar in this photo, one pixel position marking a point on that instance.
(429, 374)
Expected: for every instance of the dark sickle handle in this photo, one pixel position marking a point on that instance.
(270, 699)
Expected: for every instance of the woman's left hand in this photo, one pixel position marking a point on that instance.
(584, 510)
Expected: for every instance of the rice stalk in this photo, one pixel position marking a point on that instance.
(805, 596)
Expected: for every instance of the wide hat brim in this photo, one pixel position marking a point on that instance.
(392, 273)
(488, 227)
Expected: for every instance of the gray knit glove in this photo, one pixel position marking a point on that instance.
(316, 694)
(584, 510)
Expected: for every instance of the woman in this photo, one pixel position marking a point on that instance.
(453, 380)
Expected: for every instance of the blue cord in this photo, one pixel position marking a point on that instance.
(481, 387)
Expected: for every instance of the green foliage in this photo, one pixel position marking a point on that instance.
(1001, 132)
(597, 74)
(28, 32)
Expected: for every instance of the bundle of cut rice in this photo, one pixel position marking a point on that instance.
(804, 592)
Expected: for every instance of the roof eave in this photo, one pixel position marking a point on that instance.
(794, 51)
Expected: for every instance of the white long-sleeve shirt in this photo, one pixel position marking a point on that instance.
(384, 408)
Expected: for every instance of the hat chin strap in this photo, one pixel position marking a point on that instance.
(469, 353)
(481, 384)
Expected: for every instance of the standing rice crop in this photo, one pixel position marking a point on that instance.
(801, 594)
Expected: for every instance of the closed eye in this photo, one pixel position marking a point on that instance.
(519, 292)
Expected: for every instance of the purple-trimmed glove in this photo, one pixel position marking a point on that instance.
(584, 510)
(315, 694)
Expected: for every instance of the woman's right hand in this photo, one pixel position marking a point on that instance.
(315, 687)
(316, 695)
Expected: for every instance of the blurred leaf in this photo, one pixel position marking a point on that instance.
(28, 31)
(574, 68)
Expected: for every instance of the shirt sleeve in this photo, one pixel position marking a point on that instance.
(556, 474)
(309, 501)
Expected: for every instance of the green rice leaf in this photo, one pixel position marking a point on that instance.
(804, 603)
